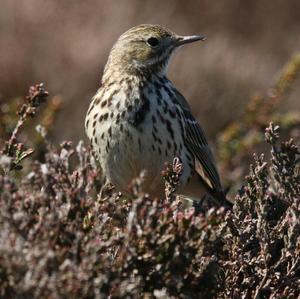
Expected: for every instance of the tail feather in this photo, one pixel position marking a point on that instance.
(197, 189)
(222, 199)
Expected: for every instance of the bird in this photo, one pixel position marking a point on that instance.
(137, 121)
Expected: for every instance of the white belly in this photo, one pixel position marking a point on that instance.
(132, 152)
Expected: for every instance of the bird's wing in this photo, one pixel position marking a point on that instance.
(197, 144)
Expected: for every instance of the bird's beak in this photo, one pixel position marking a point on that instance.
(181, 40)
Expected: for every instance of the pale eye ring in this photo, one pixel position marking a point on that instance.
(153, 42)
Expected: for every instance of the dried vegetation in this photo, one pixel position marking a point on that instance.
(65, 235)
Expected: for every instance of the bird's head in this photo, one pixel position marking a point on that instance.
(146, 48)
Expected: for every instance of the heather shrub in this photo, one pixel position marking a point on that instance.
(264, 229)
(245, 135)
(66, 234)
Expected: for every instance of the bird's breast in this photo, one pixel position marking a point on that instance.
(136, 132)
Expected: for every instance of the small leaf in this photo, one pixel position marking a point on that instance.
(25, 154)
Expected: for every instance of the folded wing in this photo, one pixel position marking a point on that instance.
(197, 144)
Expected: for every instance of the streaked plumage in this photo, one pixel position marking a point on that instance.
(138, 120)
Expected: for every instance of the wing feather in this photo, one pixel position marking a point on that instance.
(197, 144)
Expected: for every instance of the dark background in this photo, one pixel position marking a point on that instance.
(65, 44)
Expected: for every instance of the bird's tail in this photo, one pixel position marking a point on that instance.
(222, 199)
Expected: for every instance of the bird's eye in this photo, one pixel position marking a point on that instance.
(152, 41)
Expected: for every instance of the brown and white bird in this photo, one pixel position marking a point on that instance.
(138, 120)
